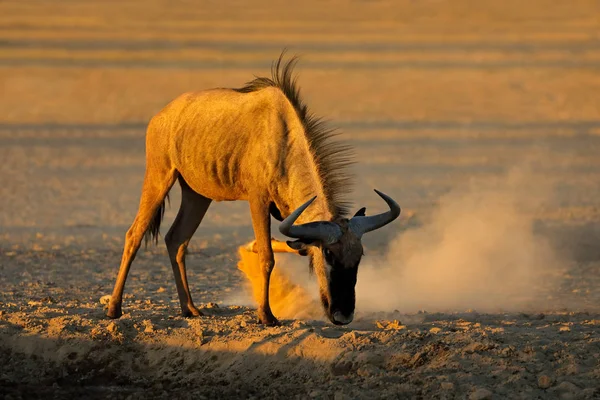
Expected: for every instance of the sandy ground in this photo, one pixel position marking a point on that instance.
(481, 118)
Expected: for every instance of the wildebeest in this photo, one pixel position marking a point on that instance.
(257, 143)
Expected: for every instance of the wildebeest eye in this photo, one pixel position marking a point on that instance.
(327, 252)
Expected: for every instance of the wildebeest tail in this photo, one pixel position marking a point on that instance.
(154, 229)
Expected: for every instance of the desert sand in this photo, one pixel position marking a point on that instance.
(481, 118)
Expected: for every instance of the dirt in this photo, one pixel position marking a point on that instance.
(480, 119)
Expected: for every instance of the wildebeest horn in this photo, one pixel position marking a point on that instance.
(361, 225)
(324, 231)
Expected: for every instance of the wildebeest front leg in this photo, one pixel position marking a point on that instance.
(261, 222)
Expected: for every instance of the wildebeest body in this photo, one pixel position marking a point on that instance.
(258, 143)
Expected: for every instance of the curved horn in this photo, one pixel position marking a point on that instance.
(361, 225)
(324, 231)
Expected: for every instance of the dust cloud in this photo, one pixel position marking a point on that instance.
(289, 293)
(479, 250)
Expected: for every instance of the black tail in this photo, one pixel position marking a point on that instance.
(154, 229)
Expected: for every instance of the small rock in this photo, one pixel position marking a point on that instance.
(149, 327)
(590, 393)
(367, 371)
(544, 381)
(112, 327)
(507, 351)
(564, 328)
(481, 394)
(474, 347)
(160, 289)
(447, 385)
(105, 299)
(566, 387)
(435, 330)
(370, 358)
(390, 325)
(417, 359)
(341, 368)
(298, 324)
(243, 324)
(340, 396)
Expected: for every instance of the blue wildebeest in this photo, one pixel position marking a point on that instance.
(261, 144)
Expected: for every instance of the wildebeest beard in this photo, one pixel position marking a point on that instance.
(339, 265)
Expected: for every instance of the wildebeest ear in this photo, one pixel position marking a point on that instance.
(361, 212)
(299, 245)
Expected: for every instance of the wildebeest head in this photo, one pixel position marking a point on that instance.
(336, 250)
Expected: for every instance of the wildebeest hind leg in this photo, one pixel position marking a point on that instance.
(156, 186)
(192, 210)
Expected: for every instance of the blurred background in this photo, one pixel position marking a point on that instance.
(431, 93)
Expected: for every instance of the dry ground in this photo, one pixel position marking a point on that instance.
(466, 296)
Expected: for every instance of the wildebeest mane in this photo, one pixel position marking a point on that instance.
(333, 158)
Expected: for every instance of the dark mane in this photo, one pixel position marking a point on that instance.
(332, 157)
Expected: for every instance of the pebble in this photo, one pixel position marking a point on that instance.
(297, 324)
(112, 327)
(544, 381)
(105, 299)
(590, 393)
(369, 358)
(367, 371)
(341, 368)
(340, 396)
(481, 394)
(566, 387)
(149, 327)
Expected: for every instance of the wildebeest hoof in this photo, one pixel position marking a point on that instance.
(114, 312)
(191, 312)
(268, 319)
(270, 322)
